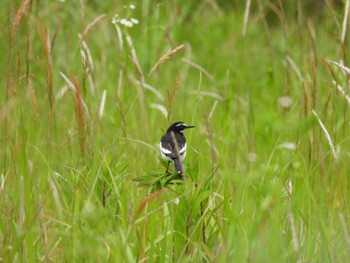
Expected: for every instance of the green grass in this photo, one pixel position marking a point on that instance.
(81, 179)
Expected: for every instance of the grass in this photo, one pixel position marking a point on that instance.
(85, 101)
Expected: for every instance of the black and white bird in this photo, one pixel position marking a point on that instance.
(173, 145)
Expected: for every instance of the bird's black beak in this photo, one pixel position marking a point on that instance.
(190, 127)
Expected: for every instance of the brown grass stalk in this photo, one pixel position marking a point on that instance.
(314, 83)
(307, 99)
(163, 58)
(58, 26)
(266, 25)
(334, 75)
(312, 33)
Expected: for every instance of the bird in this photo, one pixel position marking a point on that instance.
(173, 145)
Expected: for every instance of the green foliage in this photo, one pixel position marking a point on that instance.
(87, 94)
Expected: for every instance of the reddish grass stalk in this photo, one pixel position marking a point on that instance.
(27, 55)
(47, 47)
(15, 24)
(188, 220)
(33, 97)
(121, 112)
(80, 116)
(171, 96)
(145, 202)
(163, 58)
(18, 17)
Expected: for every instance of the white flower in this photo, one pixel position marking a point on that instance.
(115, 20)
(132, 6)
(128, 23)
(285, 101)
(251, 157)
(288, 145)
(134, 21)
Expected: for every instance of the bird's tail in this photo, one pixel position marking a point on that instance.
(178, 166)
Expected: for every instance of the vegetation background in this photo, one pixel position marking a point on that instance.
(89, 87)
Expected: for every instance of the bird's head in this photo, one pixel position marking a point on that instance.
(179, 127)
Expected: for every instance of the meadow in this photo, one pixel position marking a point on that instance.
(89, 87)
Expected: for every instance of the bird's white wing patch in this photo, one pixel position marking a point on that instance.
(165, 151)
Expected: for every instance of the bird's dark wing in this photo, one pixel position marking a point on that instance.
(168, 145)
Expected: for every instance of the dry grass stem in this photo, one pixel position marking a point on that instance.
(342, 92)
(71, 86)
(120, 37)
(102, 104)
(345, 231)
(334, 75)
(89, 26)
(161, 108)
(150, 88)
(165, 57)
(134, 57)
(328, 137)
(294, 232)
(88, 55)
(246, 16)
(295, 68)
(208, 94)
(199, 68)
(120, 81)
(345, 21)
(341, 66)
(212, 110)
